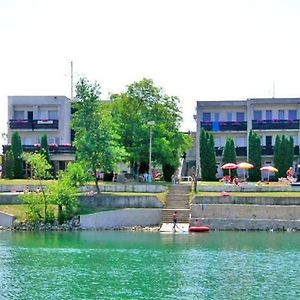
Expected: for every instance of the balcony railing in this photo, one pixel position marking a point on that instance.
(275, 124)
(224, 126)
(269, 150)
(53, 148)
(240, 151)
(33, 124)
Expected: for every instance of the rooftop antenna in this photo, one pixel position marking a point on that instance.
(71, 80)
(273, 89)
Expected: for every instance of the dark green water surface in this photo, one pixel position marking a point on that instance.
(144, 265)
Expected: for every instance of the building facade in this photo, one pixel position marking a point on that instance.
(33, 116)
(268, 117)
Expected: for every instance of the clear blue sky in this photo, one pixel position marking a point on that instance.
(194, 49)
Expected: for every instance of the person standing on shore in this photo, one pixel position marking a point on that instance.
(174, 219)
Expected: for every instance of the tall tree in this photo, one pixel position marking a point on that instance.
(16, 147)
(211, 172)
(143, 102)
(207, 156)
(283, 154)
(9, 165)
(45, 148)
(229, 155)
(96, 138)
(254, 156)
(203, 154)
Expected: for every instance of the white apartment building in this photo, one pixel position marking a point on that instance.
(268, 117)
(33, 116)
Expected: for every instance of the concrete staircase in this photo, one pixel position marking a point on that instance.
(177, 200)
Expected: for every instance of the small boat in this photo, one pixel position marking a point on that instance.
(198, 228)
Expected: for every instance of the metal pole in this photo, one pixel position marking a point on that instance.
(71, 80)
(150, 123)
(150, 151)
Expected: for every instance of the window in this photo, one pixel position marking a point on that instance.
(281, 114)
(292, 114)
(206, 117)
(51, 140)
(257, 115)
(27, 141)
(240, 141)
(217, 117)
(268, 115)
(43, 114)
(53, 114)
(218, 142)
(19, 115)
(229, 116)
(240, 116)
(57, 141)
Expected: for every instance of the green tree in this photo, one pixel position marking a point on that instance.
(229, 156)
(254, 156)
(283, 154)
(207, 156)
(132, 110)
(9, 165)
(203, 154)
(211, 158)
(16, 147)
(45, 148)
(38, 202)
(64, 192)
(96, 138)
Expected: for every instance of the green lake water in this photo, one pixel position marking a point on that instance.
(145, 265)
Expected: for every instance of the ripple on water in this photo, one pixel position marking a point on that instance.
(149, 266)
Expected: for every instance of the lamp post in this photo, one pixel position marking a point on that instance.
(151, 124)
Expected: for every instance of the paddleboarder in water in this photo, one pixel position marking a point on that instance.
(174, 219)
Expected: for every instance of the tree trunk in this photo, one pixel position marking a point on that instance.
(97, 185)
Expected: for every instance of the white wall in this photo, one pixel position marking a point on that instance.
(121, 218)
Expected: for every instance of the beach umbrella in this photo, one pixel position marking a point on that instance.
(229, 166)
(269, 169)
(245, 166)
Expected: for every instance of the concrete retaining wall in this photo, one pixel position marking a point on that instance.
(246, 200)
(99, 201)
(10, 198)
(108, 201)
(237, 211)
(249, 224)
(121, 218)
(6, 220)
(248, 188)
(135, 188)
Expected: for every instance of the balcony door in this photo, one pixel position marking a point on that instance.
(30, 115)
(269, 141)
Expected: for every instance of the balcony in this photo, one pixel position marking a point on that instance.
(53, 148)
(33, 124)
(240, 151)
(224, 126)
(275, 124)
(269, 150)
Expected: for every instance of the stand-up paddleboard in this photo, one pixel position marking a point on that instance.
(179, 227)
